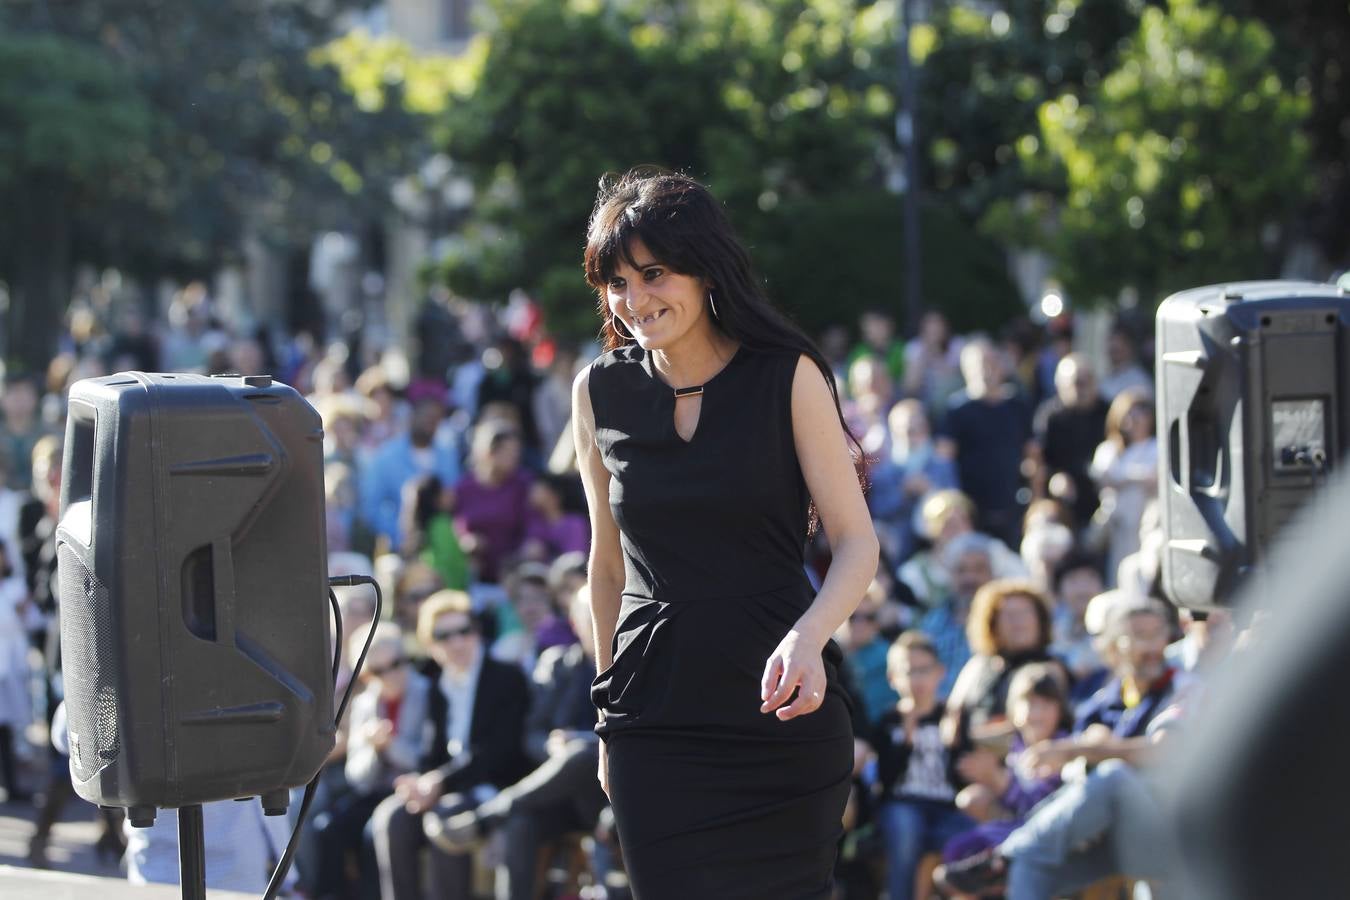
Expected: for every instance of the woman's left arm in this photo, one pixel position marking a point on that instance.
(832, 481)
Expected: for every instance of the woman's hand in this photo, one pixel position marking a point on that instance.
(603, 772)
(797, 663)
(1048, 757)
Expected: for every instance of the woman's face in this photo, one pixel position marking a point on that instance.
(1138, 423)
(656, 305)
(1036, 718)
(506, 454)
(454, 641)
(1016, 626)
(386, 667)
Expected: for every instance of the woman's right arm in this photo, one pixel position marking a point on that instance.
(606, 571)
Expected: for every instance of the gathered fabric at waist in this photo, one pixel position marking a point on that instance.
(697, 661)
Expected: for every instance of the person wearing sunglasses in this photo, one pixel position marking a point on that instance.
(476, 707)
(385, 733)
(561, 794)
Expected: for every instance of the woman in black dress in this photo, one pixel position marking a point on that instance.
(706, 433)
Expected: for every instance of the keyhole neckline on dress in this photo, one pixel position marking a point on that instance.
(696, 390)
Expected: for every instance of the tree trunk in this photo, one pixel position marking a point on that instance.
(41, 289)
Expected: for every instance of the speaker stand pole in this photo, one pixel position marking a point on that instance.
(191, 853)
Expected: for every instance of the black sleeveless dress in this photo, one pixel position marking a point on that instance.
(713, 799)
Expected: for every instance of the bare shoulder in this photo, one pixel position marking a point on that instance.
(581, 395)
(809, 388)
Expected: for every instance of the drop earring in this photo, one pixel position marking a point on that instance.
(622, 331)
(713, 306)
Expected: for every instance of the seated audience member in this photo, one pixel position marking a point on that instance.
(900, 480)
(554, 529)
(562, 793)
(428, 523)
(1138, 631)
(424, 448)
(413, 583)
(1125, 467)
(1077, 579)
(969, 560)
(477, 709)
(1002, 792)
(1042, 548)
(865, 653)
(945, 516)
(1008, 627)
(918, 811)
(529, 623)
(386, 731)
(333, 793)
(492, 508)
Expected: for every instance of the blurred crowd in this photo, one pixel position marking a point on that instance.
(1012, 665)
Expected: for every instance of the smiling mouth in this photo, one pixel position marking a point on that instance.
(648, 319)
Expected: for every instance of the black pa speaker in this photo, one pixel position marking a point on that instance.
(1253, 412)
(195, 627)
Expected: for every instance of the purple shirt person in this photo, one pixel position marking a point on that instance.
(555, 530)
(492, 506)
(1001, 798)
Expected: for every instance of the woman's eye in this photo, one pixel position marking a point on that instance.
(616, 284)
(653, 274)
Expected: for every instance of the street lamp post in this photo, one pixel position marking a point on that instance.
(907, 136)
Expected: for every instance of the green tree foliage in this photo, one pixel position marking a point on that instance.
(1183, 166)
(1312, 48)
(234, 125)
(781, 106)
(76, 125)
(985, 74)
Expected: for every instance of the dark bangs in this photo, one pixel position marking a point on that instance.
(656, 210)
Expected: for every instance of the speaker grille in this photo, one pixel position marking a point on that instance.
(88, 664)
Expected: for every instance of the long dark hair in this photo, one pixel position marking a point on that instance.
(688, 231)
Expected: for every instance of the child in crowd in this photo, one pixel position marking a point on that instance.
(918, 811)
(555, 529)
(1003, 792)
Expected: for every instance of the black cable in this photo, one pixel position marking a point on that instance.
(337, 633)
(284, 864)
